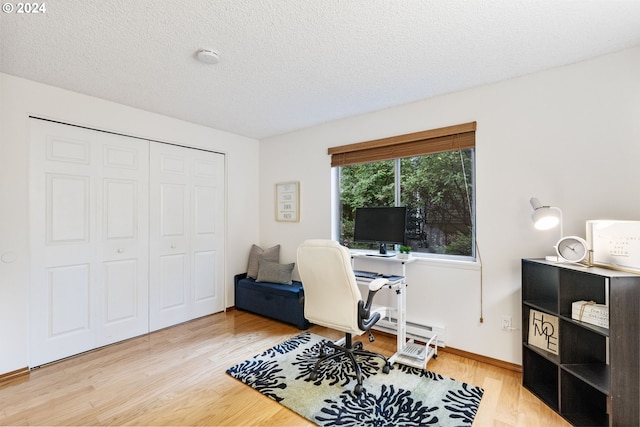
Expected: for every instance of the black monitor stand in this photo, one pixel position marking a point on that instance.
(383, 251)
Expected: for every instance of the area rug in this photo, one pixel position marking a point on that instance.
(405, 397)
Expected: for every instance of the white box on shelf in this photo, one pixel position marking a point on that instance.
(590, 312)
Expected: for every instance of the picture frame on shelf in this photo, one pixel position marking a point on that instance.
(287, 201)
(614, 244)
(543, 331)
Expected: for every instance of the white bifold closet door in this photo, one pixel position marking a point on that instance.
(127, 236)
(89, 238)
(187, 237)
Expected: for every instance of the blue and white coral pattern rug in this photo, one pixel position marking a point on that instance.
(405, 397)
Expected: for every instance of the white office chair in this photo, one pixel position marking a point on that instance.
(333, 299)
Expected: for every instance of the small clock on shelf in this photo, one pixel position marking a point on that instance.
(572, 249)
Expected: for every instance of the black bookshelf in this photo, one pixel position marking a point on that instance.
(594, 380)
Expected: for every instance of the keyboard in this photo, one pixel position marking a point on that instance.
(366, 274)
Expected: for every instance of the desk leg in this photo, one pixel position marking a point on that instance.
(402, 316)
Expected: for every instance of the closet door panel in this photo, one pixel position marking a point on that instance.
(208, 233)
(173, 249)
(170, 199)
(86, 214)
(62, 243)
(123, 238)
(187, 234)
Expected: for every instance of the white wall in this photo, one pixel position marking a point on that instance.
(20, 98)
(570, 136)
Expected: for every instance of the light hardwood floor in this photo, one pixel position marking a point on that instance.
(177, 377)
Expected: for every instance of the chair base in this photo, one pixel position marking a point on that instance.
(349, 350)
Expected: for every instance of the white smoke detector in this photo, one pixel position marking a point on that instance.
(207, 56)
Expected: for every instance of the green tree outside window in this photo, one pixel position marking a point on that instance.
(437, 190)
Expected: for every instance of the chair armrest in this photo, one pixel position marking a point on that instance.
(378, 283)
(366, 320)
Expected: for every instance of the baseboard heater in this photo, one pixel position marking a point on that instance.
(414, 330)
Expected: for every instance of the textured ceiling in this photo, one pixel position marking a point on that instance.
(289, 64)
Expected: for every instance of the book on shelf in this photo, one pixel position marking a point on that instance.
(591, 313)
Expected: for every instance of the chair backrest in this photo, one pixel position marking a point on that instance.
(330, 289)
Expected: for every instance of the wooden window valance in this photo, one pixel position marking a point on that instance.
(450, 138)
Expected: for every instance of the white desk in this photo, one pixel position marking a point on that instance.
(398, 324)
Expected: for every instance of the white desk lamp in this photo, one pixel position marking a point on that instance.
(545, 218)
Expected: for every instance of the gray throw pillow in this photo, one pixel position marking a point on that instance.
(274, 272)
(271, 254)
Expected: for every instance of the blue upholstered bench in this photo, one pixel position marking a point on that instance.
(274, 300)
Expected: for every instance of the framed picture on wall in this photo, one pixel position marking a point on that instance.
(288, 201)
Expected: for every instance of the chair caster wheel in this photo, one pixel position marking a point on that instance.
(357, 390)
(386, 369)
(313, 376)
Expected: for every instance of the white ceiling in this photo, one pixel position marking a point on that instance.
(289, 64)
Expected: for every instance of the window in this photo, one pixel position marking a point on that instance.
(431, 172)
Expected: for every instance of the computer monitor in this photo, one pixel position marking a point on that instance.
(381, 225)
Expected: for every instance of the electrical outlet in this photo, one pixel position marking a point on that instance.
(506, 323)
